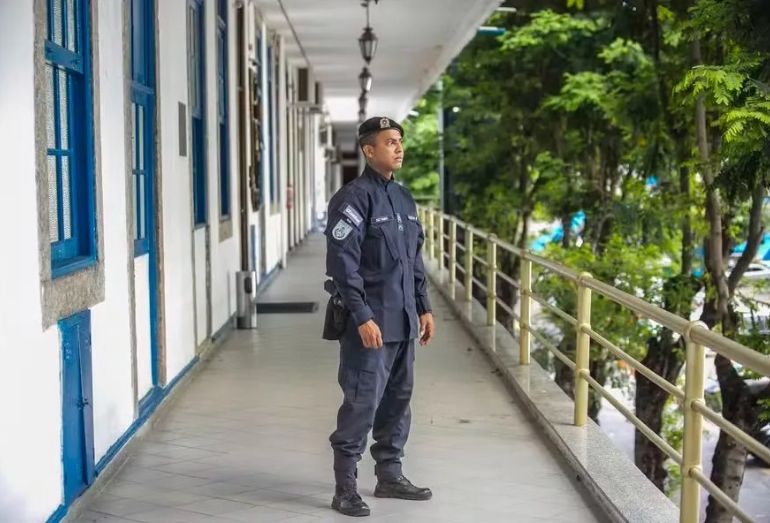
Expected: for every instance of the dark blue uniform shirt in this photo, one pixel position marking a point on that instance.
(374, 242)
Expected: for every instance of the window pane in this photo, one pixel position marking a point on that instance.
(65, 197)
(140, 139)
(137, 51)
(64, 108)
(193, 52)
(135, 210)
(53, 206)
(57, 14)
(142, 200)
(72, 37)
(220, 75)
(133, 136)
(50, 122)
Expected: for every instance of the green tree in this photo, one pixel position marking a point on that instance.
(421, 146)
(729, 91)
(575, 108)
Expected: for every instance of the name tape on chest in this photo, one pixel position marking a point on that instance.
(351, 213)
(381, 219)
(342, 230)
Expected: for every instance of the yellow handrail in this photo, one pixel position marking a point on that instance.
(696, 335)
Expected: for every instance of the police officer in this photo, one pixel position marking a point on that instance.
(374, 241)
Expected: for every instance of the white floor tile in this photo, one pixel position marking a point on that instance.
(248, 439)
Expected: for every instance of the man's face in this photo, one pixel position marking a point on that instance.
(387, 153)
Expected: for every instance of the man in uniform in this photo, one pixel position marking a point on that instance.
(374, 239)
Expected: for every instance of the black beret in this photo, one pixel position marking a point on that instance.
(377, 124)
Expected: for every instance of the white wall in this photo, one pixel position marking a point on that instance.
(273, 251)
(201, 295)
(30, 374)
(30, 439)
(283, 154)
(30, 455)
(224, 253)
(319, 168)
(177, 245)
(110, 320)
(142, 321)
(30, 380)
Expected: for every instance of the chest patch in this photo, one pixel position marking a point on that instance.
(351, 213)
(341, 230)
(380, 219)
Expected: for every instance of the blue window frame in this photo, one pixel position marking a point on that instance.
(222, 113)
(69, 129)
(197, 90)
(142, 122)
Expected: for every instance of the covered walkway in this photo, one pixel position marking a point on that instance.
(246, 440)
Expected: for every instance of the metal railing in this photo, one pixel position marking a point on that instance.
(696, 335)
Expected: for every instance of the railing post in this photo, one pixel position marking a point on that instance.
(428, 225)
(433, 235)
(468, 263)
(692, 437)
(440, 237)
(525, 299)
(491, 279)
(452, 255)
(583, 350)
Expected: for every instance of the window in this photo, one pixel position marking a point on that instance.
(222, 116)
(69, 137)
(142, 121)
(196, 69)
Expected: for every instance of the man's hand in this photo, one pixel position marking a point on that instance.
(426, 328)
(370, 335)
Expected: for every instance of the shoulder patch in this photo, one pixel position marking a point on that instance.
(341, 230)
(351, 213)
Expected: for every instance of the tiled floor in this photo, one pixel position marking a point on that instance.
(247, 441)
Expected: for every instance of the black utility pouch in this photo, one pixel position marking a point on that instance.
(336, 314)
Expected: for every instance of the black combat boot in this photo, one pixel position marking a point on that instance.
(347, 501)
(401, 488)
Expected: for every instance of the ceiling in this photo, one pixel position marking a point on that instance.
(417, 41)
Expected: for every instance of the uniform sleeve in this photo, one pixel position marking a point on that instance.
(344, 234)
(420, 281)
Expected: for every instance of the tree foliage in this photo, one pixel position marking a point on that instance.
(653, 118)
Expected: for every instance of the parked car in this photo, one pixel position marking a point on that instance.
(757, 270)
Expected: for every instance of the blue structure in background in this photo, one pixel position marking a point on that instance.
(579, 218)
(763, 253)
(578, 222)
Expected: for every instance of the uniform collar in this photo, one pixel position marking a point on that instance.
(376, 176)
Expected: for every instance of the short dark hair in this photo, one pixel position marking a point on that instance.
(369, 139)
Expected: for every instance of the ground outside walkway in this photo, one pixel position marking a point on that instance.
(247, 439)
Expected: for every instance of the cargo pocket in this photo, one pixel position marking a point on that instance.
(382, 242)
(358, 385)
(415, 236)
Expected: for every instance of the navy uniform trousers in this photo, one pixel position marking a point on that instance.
(377, 387)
